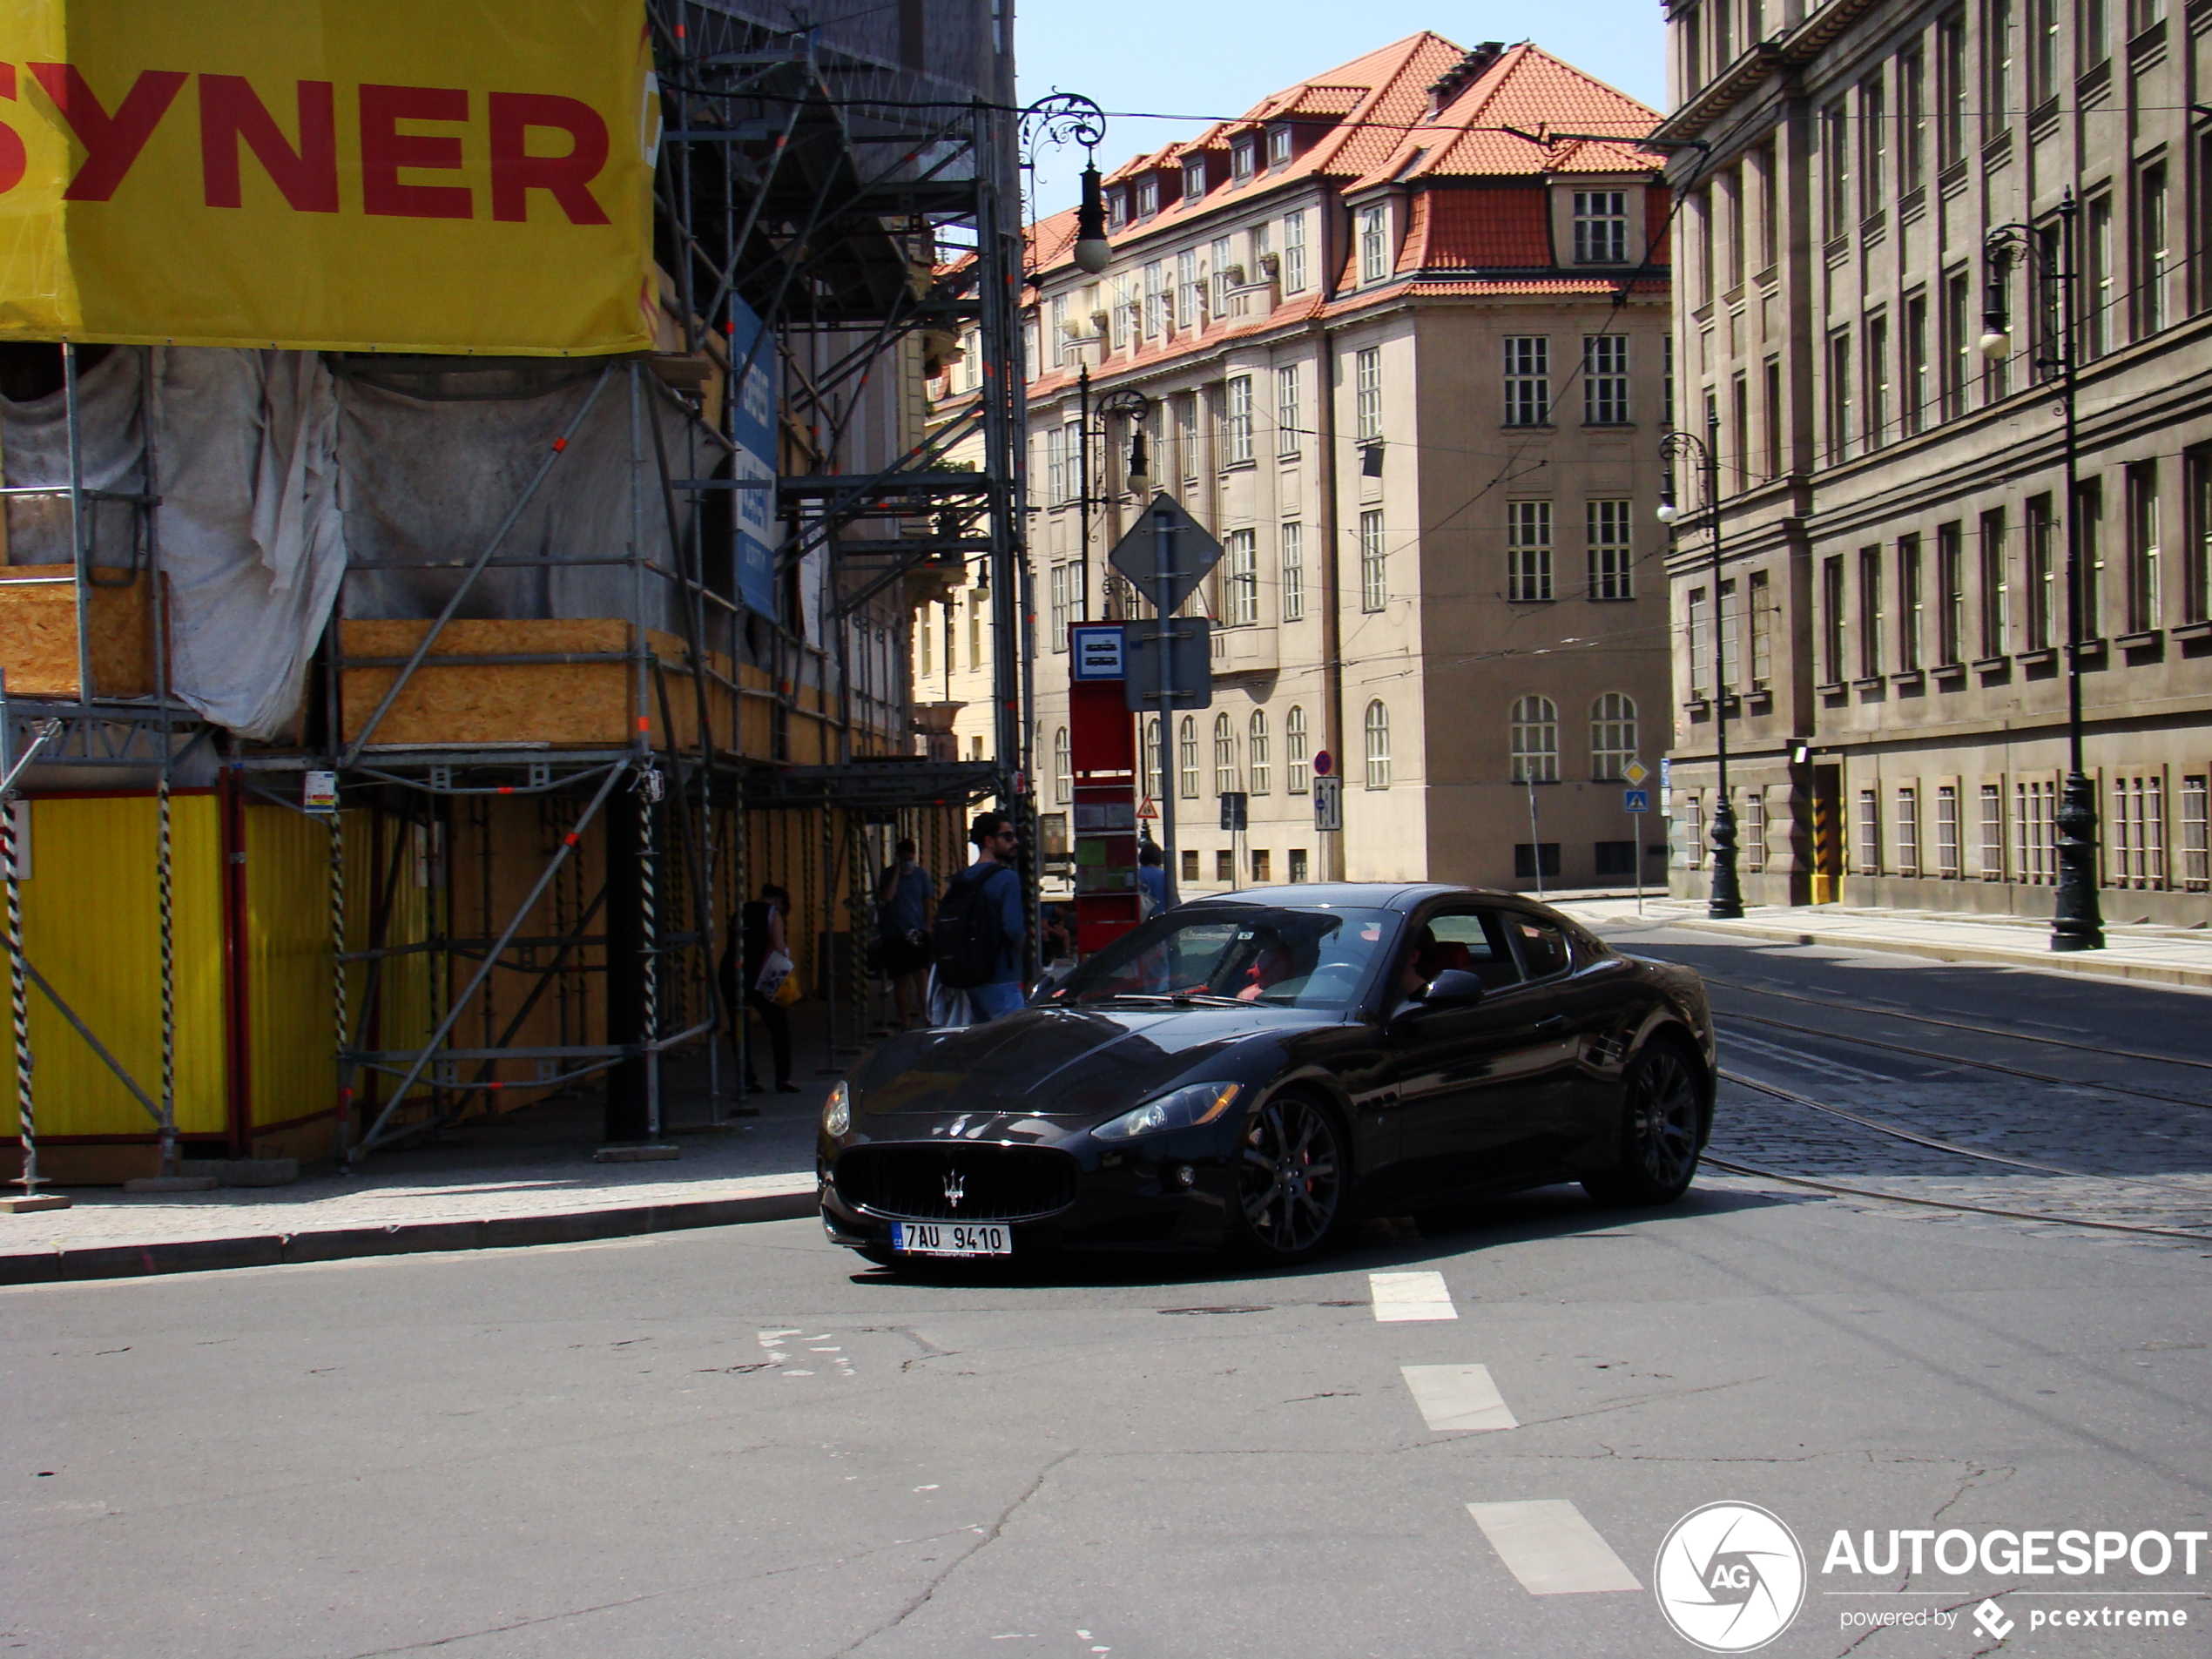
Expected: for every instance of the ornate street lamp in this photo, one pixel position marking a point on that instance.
(1727, 900)
(2076, 923)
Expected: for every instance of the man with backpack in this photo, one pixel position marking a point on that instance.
(977, 941)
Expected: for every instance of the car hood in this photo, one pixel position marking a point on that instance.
(1059, 1062)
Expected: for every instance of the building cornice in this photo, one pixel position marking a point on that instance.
(1786, 54)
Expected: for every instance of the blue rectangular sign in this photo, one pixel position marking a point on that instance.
(754, 425)
(1635, 800)
(1095, 651)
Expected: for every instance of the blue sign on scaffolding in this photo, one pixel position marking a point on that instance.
(752, 423)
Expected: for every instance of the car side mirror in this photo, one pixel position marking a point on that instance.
(1454, 988)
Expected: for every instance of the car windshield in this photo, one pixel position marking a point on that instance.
(1264, 954)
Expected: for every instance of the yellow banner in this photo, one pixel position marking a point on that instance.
(387, 175)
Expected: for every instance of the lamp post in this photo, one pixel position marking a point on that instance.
(2076, 923)
(1125, 402)
(1727, 900)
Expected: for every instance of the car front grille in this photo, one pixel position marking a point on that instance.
(963, 1182)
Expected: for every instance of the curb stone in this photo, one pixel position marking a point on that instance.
(2087, 963)
(64, 1264)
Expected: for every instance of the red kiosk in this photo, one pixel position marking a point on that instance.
(1103, 741)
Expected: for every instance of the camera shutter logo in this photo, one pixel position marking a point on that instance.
(1730, 1577)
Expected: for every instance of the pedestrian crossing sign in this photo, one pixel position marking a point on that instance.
(1635, 800)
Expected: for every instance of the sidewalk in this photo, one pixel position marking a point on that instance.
(526, 1177)
(2161, 956)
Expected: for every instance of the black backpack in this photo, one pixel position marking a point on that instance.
(967, 939)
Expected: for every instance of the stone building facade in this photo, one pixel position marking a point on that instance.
(1411, 369)
(1891, 619)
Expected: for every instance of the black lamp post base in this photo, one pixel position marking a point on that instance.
(2076, 923)
(1727, 901)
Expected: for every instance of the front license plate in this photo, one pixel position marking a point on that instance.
(949, 1238)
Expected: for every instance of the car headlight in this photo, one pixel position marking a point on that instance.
(837, 1111)
(1184, 1108)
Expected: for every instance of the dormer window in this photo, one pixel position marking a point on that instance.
(1116, 209)
(1244, 159)
(1601, 226)
(1148, 195)
(1278, 147)
(1374, 243)
(1194, 179)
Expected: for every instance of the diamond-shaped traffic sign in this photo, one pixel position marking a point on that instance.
(1635, 772)
(1166, 553)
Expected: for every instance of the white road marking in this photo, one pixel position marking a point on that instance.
(1820, 1063)
(1457, 1397)
(1550, 1548)
(1411, 1296)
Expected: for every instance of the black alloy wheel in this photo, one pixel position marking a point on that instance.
(1662, 1115)
(1291, 1175)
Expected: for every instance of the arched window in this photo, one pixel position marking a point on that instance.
(1148, 758)
(1063, 767)
(1225, 755)
(1377, 730)
(1256, 769)
(1613, 735)
(1535, 741)
(1296, 755)
(1186, 757)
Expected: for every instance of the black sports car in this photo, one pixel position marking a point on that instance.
(1256, 1069)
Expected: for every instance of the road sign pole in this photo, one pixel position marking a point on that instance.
(1637, 820)
(1164, 569)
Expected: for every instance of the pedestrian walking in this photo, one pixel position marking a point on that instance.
(904, 894)
(758, 952)
(979, 929)
(1151, 879)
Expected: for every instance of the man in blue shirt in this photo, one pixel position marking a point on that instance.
(995, 844)
(1152, 877)
(903, 894)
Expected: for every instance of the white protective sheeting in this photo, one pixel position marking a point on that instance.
(246, 464)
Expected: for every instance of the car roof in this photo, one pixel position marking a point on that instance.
(1372, 895)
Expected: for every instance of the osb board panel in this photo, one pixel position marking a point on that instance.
(38, 635)
(578, 704)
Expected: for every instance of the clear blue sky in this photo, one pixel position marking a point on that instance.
(1189, 57)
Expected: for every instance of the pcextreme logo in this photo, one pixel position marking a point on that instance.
(1730, 1577)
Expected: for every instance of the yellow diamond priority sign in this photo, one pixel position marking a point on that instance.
(1636, 772)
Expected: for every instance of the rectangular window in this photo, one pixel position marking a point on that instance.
(1155, 298)
(1870, 612)
(1951, 69)
(1237, 427)
(1294, 253)
(2196, 834)
(1060, 347)
(2042, 575)
(1835, 169)
(1374, 587)
(1839, 398)
(1298, 752)
(1950, 595)
(1870, 832)
(2098, 333)
(1760, 613)
(1914, 409)
(1908, 831)
(1775, 420)
(1528, 380)
(1612, 559)
(1910, 643)
(1913, 122)
(1601, 226)
(1240, 558)
(1300, 867)
(1186, 288)
(1117, 318)
(1993, 832)
(1996, 587)
(1220, 276)
(2035, 845)
(1148, 195)
(1289, 418)
(1878, 383)
(1723, 19)
(1374, 243)
(1667, 379)
(1946, 828)
(1278, 147)
(1244, 160)
(2136, 832)
(1528, 550)
(1062, 607)
(1293, 572)
(2089, 503)
(1367, 393)
(1831, 620)
(1697, 645)
(1959, 341)
(1186, 436)
(1055, 466)
(978, 602)
(2096, 32)
(1731, 195)
(1998, 47)
(925, 632)
(1874, 146)
(1189, 864)
(1194, 178)
(1755, 830)
(2196, 568)
(2042, 50)
(1605, 380)
(1261, 875)
(2152, 258)
(1693, 832)
(2142, 548)
(1731, 676)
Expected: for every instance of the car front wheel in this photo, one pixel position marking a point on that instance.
(1661, 1111)
(1291, 1181)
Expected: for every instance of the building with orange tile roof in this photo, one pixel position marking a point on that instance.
(1404, 353)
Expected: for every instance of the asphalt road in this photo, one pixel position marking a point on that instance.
(746, 1442)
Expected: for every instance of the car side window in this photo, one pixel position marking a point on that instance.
(1541, 945)
(1474, 939)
